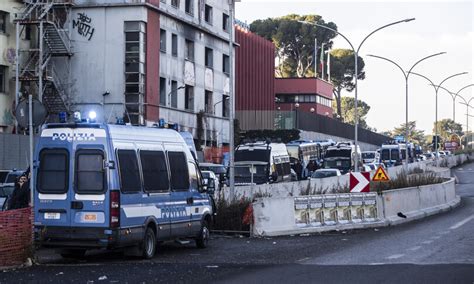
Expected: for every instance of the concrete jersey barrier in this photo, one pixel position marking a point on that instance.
(318, 213)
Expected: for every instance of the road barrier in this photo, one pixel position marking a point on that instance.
(15, 236)
(326, 212)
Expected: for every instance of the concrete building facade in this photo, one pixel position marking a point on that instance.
(149, 60)
(8, 8)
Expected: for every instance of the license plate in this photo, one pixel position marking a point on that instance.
(52, 216)
(90, 217)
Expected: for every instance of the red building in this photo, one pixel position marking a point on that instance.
(304, 94)
(254, 72)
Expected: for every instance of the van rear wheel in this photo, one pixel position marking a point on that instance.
(149, 244)
(203, 239)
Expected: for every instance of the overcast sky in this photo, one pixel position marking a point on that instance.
(439, 26)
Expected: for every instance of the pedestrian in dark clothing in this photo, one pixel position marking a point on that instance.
(21, 195)
(311, 166)
(298, 169)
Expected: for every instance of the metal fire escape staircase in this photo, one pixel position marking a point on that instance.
(36, 64)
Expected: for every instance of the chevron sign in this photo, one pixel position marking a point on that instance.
(359, 182)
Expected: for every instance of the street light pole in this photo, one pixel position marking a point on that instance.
(467, 103)
(356, 73)
(406, 75)
(454, 95)
(231, 101)
(437, 87)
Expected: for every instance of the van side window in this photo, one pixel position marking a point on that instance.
(129, 173)
(53, 171)
(155, 172)
(90, 171)
(179, 171)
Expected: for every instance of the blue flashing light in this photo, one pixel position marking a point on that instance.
(62, 117)
(120, 121)
(161, 123)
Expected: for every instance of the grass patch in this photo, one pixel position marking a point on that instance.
(402, 180)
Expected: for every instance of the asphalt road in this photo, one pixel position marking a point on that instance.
(439, 249)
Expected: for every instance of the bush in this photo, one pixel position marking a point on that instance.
(403, 180)
(230, 214)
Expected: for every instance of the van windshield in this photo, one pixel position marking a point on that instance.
(257, 155)
(53, 171)
(89, 171)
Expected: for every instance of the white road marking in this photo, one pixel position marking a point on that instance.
(435, 237)
(460, 223)
(427, 242)
(395, 256)
(460, 169)
(444, 233)
(415, 248)
(377, 263)
(303, 259)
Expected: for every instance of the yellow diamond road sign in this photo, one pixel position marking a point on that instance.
(380, 175)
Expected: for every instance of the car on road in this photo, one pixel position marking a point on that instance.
(218, 169)
(211, 180)
(429, 156)
(324, 173)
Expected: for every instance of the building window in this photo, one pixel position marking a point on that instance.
(189, 50)
(188, 7)
(174, 94)
(225, 22)
(134, 71)
(208, 57)
(162, 91)
(175, 3)
(189, 98)
(208, 14)
(225, 106)
(163, 40)
(174, 45)
(3, 21)
(208, 107)
(3, 75)
(225, 64)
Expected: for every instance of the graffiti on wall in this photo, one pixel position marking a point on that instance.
(83, 24)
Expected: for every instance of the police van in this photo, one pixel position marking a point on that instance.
(116, 186)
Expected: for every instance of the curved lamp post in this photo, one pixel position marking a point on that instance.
(436, 88)
(406, 75)
(467, 103)
(356, 71)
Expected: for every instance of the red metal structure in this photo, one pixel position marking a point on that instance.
(255, 69)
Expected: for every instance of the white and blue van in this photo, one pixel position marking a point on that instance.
(116, 186)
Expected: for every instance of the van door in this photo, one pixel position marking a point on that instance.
(89, 202)
(181, 198)
(52, 186)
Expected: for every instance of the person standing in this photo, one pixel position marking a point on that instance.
(21, 195)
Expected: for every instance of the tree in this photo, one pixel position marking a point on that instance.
(446, 127)
(414, 135)
(294, 42)
(343, 75)
(348, 111)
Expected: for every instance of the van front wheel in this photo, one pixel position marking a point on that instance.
(203, 238)
(149, 244)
